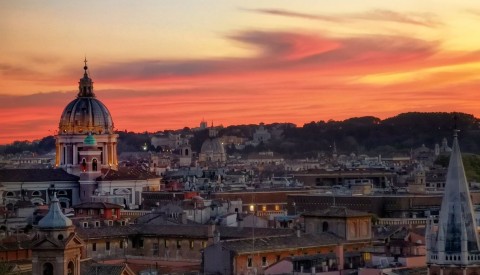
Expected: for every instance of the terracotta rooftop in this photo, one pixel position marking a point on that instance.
(127, 173)
(178, 231)
(96, 205)
(280, 243)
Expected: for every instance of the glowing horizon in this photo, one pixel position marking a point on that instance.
(169, 66)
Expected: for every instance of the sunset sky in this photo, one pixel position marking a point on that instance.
(169, 64)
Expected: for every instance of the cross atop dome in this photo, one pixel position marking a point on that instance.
(85, 67)
(86, 84)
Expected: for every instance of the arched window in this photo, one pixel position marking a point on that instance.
(186, 152)
(94, 165)
(84, 165)
(10, 194)
(325, 227)
(71, 268)
(47, 269)
(36, 193)
(61, 193)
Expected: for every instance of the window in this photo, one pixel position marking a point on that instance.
(204, 244)
(264, 261)
(62, 193)
(107, 246)
(60, 237)
(191, 244)
(155, 249)
(94, 165)
(178, 244)
(70, 269)
(102, 211)
(47, 269)
(97, 224)
(140, 243)
(165, 242)
(264, 208)
(94, 246)
(80, 211)
(249, 261)
(114, 211)
(121, 244)
(36, 193)
(10, 194)
(325, 227)
(85, 225)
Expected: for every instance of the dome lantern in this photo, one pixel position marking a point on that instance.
(85, 85)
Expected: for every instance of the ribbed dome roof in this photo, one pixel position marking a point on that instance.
(85, 113)
(55, 217)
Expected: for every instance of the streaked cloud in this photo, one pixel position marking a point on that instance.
(418, 19)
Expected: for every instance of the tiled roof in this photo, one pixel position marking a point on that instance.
(259, 244)
(178, 231)
(128, 173)
(337, 212)
(96, 205)
(103, 269)
(35, 175)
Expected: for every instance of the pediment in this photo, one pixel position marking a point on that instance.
(46, 243)
(74, 241)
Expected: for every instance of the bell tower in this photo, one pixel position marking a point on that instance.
(57, 249)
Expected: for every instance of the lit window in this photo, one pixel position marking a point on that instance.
(252, 207)
(264, 208)
(277, 207)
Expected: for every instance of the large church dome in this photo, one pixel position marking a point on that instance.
(86, 113)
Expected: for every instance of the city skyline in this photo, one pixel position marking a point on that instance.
(166, 65)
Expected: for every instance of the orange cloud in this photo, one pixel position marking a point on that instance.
(292, 77)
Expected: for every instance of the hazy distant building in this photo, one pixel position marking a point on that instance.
(261, 135)
(212, 150)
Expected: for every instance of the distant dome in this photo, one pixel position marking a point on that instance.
(86, 113)
(212, 146)
(55, 219)
(90, 140)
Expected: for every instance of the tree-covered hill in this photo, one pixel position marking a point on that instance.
(369, 134)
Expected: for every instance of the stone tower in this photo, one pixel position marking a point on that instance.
(57, 249)
(452, 243)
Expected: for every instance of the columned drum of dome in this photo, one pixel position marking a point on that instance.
(85, 115)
